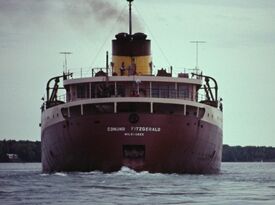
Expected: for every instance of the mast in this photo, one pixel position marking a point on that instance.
(197, 54)
(65, 66)
(130, 16)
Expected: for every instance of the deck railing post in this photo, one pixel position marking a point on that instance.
(69, 113)
(81, 108)
(184, 109)
(90, 89)
(115, 89)
(176, 90)
(115, 107)
(150, 91)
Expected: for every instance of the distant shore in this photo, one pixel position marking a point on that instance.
(30, 151)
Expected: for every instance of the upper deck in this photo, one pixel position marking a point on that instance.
(189, 87)
(132, 86)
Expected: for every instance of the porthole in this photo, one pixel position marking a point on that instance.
(133, 118)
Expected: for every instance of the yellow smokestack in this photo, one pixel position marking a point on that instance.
(131, 54)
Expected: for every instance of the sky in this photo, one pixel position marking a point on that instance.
(239, 53)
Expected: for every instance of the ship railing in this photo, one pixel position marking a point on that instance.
(143, 92)
(85, 72)
(82, 72)
(203, 99)
(157, 93)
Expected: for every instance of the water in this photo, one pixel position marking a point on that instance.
(238, 183)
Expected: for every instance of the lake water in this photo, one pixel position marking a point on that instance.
(238, 183)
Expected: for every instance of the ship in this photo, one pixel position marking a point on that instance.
(123, 115)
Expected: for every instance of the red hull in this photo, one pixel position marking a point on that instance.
(156, 143)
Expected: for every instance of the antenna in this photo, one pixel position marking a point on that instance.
(130, 16)
(65, 66)
(197, 54)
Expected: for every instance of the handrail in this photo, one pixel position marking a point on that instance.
(207, 82)
(90, 71)
(56, 78)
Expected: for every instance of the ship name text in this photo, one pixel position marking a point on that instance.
(134, 129)
(116, 129)
(145, 129)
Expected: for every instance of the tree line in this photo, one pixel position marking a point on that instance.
(26, 151)
(248, 154)
(29, 151)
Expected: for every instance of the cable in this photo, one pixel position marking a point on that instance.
(155, 40)
(107, 37)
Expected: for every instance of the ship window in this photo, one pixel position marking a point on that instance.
(82, 91)
(75, 111)
(155, 91)
(133, 107)
(103, 90)
(191, 109)
(120, 91)
(164, 91)
(68, 96)
(162, 108)
(92, 91)
(123, 89)
(99, 108)
(201, 112)
(183, 91)
(172, 91)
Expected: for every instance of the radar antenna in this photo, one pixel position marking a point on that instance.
(65, 65)
(197, 54)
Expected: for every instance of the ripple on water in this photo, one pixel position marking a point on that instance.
(238, 184)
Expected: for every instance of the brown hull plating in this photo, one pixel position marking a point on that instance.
(155, 143)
